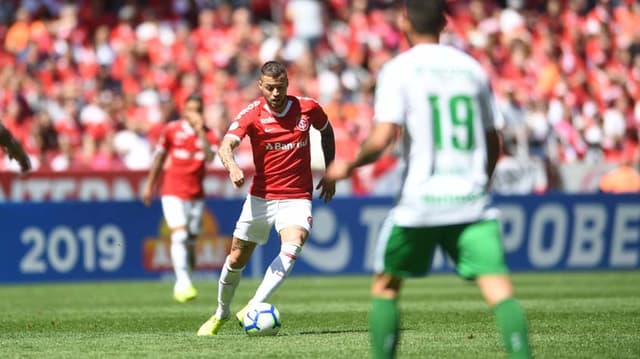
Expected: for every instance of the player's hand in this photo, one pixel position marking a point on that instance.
(147, 195)
(237, 177)
(338, 170)
(327, 189)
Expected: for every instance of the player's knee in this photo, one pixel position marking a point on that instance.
(294, 234)
(385, 286)
(495, 288)
(179, 235)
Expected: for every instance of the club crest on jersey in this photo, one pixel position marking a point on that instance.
(303, 123)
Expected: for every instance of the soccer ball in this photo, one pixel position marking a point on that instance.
(262, 319)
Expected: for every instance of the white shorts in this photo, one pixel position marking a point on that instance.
(183, 213)
(259, 215)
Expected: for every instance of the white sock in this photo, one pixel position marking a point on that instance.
(229, 280)
(277, 271)
(180, 259)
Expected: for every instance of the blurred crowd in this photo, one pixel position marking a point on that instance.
(89, 84)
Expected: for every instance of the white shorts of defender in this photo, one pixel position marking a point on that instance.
(259, 215)
(183, 213)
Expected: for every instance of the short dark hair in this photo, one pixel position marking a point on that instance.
(196, 96)
(273, 69)
(426, 16)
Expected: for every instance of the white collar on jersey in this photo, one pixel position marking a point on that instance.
(280, 114)
(186, 127)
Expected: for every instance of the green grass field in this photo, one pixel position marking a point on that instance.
(572, 315)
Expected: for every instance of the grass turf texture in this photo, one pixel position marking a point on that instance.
(571, 315)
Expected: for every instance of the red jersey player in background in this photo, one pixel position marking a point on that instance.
(189, 145)
(14, 149)
(280, 194)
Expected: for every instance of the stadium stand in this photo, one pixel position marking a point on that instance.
(88, 85)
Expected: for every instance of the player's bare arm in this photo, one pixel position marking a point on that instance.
(154, 172)
(382, 135)
(14, 149)
(236, 175)
(493, 150)
(209, 155)
(327, 139)
(197, 122)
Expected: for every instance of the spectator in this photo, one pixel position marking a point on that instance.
(17, 38)
(307, 19)
(622, 179)
(46, 136)
(132, 146)
(567, 72)
(518, 174)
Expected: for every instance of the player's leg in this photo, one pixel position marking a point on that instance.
(174, 210)
(401, 252)
(195, 213)
(241, 251)
(384, 315)
(230, 275)
(293, 223)
(252, 228)
(292, 240)
(480, 256)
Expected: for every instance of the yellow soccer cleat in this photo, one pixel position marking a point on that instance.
(241, 313)
(185, 295)
(211, 326)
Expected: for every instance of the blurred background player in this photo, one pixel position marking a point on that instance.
(281, 191)
(14, 149)
(189, 145)
(441, 98)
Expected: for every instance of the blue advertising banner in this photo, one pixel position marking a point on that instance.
(101, 240)
(69, 241)
(571, 232)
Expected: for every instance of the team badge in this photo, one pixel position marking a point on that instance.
(303, 123)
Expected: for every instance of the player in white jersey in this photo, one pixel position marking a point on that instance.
(441, 100)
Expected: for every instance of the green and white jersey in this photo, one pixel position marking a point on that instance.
(442, 99)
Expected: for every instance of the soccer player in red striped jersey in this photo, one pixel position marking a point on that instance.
(280, 194)
(188, 145)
